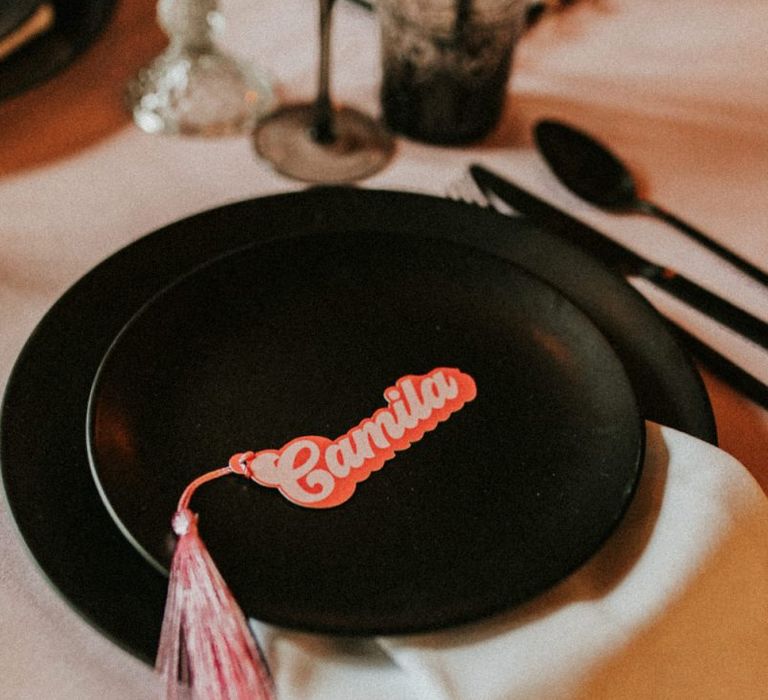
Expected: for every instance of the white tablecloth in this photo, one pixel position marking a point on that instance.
(681, 91)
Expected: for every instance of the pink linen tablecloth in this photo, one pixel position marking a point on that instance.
(676, 605)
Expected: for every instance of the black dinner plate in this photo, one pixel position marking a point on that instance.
(77, 23)
(43, 448)
(299, 337)
(15, 13)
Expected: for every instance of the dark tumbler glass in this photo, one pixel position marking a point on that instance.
(446, 65)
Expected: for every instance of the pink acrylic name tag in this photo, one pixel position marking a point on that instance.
(206, 647)
(317, 472)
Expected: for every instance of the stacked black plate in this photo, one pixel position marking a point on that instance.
(247, 326)
(76, 24)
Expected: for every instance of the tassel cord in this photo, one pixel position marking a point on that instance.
(186, 497)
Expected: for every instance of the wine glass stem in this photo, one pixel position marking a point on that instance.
(322, 128)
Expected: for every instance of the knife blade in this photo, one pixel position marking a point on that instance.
(619, 258)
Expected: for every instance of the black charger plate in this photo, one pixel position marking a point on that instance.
(42, 434)
(77, 24)
(300, 337)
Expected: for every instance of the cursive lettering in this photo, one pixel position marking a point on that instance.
(317, 472)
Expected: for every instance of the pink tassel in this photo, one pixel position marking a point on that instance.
(206, 650)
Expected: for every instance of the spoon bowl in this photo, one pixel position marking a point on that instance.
(586, 166)
(591, 171)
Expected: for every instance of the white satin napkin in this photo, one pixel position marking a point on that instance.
(675, 605)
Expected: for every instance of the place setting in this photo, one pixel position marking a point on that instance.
(344, 439)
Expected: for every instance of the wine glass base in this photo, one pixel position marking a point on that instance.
(208, 94)
(361, 146)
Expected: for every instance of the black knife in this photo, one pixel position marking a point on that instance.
(621, 259)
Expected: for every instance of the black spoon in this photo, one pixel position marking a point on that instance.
(590, 170)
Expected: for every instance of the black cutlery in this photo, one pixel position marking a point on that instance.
(591, 171)
(627, 263)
